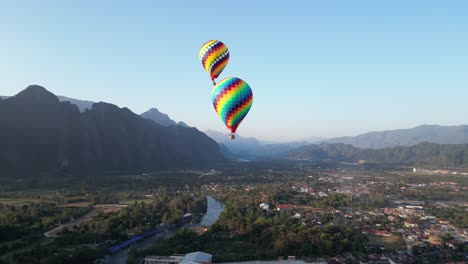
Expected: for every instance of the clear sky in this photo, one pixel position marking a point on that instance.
(317, 68)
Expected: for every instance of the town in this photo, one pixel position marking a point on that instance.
(406, 214)
(324, 212)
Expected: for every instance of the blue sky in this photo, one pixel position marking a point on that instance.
(317, 68)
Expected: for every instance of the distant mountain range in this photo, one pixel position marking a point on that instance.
(429, 154)
(420, 153)
(40, 133)
(82, 141)
(407, 137)
(252, 148)
(240, 147)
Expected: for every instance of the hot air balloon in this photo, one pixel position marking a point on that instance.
(214, 56)
(232, 99)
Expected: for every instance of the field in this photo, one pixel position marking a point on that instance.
(17, 201)
(109, 208)
(77, 204)
(131, 201)
(394, 242)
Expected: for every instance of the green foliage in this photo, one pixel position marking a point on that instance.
(245, 232)
(17, 222)
(435, 155)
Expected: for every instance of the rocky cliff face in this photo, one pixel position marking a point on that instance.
(41, 133)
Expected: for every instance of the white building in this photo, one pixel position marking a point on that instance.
(264, 206)
(197, 258)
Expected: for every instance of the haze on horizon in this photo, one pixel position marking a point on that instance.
(316, 68)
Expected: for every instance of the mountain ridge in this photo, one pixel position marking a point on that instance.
(41, 133)
(251, 148)
(407, 137)
(158, 117)
(425, 153)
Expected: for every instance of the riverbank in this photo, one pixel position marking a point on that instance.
(214, 209)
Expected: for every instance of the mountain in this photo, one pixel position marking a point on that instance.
(82, 104)
(158, 117)
(252, 148)
(183, 124)
(224, 138)
(430, 154)
(40, 133)
(240, 147)
(312, 139)
(407, 137)
(153, 113)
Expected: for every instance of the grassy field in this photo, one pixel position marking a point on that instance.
(131, 201)
(17, 201)
(77, 204)
(394, 242)
(42, 192)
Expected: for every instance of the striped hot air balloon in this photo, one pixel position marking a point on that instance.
(232, 99)
(214, 56)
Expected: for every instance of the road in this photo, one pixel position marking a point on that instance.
(76, 222)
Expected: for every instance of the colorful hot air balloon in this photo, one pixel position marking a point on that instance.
(232, 99)
(214, 56)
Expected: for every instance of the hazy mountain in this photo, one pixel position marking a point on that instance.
(82, 104)
(239, 147)
(407, 137)
(158, 117)
(252, 148)
(41, 133)
(431, 154)
(313, 139)
(224, 138)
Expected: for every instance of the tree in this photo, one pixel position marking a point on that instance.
(132, 255)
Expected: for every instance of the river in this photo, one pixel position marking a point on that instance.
(214, 209)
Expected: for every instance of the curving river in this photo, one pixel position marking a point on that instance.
(214, 209)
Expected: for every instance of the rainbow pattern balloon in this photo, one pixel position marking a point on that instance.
(232, 99)
(214, 56)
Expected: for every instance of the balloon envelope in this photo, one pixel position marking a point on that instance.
(214, 56)
(232, 99)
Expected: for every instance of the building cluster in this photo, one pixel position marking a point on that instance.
(421, 229)
(439, 171)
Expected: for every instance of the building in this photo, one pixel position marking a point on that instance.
(382, 233)
(297, 216)
(264, 206)
(410, 224)
(197, 258)
(280, 207)
(435, 240)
